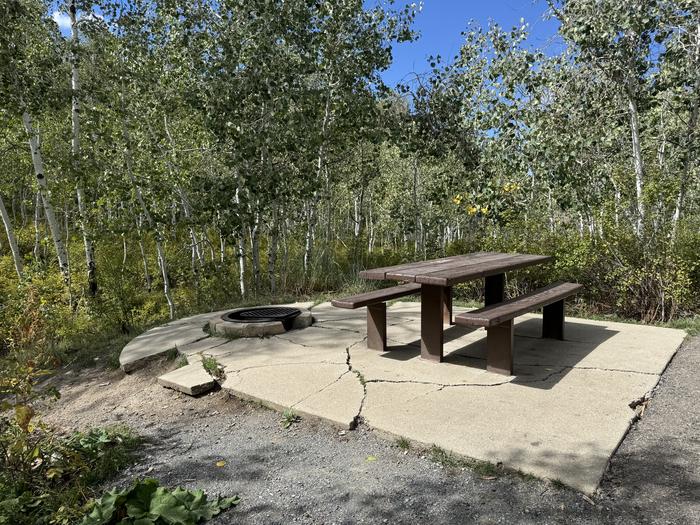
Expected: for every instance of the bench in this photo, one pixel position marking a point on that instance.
(375, 302)
(498, 321)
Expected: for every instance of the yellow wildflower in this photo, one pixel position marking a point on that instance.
(472, 210)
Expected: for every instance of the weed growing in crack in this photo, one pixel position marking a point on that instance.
(480, 468)
(181, 361)
(526, 477)
(212, 366)
(403, 443)
(558, 484)
(360, 377)
(289, 417)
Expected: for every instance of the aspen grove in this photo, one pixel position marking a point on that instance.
(159, 157)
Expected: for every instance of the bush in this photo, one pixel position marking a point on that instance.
(45, 477)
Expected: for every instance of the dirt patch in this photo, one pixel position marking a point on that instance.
(99, 397)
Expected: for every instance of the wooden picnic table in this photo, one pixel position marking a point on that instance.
(437, 277)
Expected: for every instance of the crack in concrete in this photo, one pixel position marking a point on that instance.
(322, 389)
(338, 329)
(460, 385)
(358, 417)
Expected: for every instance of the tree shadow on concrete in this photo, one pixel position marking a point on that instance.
(537, 362)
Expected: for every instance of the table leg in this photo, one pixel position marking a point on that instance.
(431, 317)
(494, 289)
(447, 305)
(553, 320)
(499, 348)
(376, 327)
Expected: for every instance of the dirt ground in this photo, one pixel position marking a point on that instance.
(314, 473)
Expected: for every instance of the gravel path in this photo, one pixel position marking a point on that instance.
(313, 473)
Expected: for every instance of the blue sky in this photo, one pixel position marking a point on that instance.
(441, 22)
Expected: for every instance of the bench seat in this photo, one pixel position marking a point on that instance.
(376, 296)
(375, 302)
(498, 321)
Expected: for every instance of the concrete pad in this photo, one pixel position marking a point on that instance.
(339, 402)
(201, 345)
(566, 431)
(158, 341)
(191, 379)
(306, 389)
(560, 416)
(242, 354)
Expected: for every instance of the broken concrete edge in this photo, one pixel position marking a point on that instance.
(129, 366)
(634, 419)
(426, 449)
(197, 390)
(282, 408)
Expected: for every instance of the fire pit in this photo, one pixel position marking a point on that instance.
(260, 321)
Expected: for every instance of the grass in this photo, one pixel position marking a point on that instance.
(181, 361)
(558, 483)
(448, 460)
(289, 418)
(403, 443)
(95, 349)
(212, 366)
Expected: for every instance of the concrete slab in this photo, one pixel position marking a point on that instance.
(565, 431)
(202, 345)
(560, 416)
(323, 390)
(191, 379)
(158, 341)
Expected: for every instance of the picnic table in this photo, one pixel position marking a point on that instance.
(436, 278)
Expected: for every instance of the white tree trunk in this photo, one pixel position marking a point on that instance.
(309, 240)
(241, 263)
(38, 163)
(11, 239)
(272, 251)
(75, 152)
(37, 230)
(638, 161)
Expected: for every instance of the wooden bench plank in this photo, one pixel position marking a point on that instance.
(498, 313)
(376, 296)
(454, 276)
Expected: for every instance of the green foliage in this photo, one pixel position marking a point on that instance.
(403, 443)
(212, 366)
(147, 503)
(289, 418)
(448, 460)
(46, 478)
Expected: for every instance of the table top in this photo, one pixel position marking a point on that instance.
(456, 269)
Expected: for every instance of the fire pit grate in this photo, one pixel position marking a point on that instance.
(264, 314)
